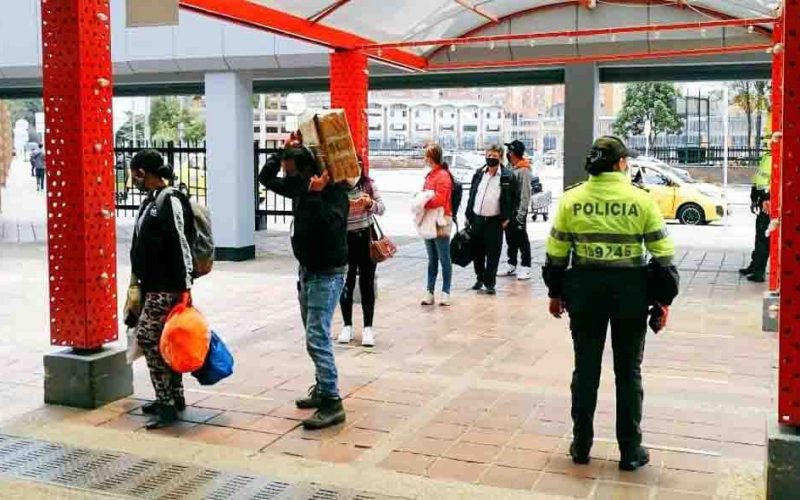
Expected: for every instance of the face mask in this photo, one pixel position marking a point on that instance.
(492, 162)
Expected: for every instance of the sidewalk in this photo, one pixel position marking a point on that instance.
(470, 401)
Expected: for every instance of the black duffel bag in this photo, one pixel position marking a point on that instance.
(461, 247)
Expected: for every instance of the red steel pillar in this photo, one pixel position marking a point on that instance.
(789, 319)
(775, 187)
(349, 91)
(76, 40)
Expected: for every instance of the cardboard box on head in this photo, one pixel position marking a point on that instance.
(327, 134)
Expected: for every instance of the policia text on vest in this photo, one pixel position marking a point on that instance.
(609, 263)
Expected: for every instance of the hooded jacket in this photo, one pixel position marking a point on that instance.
(319, 231)
(522, 176)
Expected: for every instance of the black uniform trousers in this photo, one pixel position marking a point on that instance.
(487, 241)
(597, 298)
(518, 243)
(760, 255)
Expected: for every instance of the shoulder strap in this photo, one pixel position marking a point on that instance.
(162, 195)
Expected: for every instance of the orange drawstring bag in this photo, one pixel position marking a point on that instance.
(186, 337)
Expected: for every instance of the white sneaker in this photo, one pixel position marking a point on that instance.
(368, 337)
(428, 299)
(445, 300)
(507, 270)
(346, 336)
(524, 273)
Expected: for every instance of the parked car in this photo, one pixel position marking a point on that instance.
(690, 203)
(464, 165)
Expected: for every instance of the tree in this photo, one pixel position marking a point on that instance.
(168, 115)
(653, 102)
(125, 133)
(25, 109)
(752, 97)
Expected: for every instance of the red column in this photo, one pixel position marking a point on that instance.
(349, 88)
(775, 187)
(76, 41)
(789, 321)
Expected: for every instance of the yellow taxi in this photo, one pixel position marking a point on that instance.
(678, 195)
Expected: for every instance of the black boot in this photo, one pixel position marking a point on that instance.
(579, 453)
(165, 416)
(746, 270)
(478, 285)
(329, 413)
(152, 408)
(632, 461)
(312, 401)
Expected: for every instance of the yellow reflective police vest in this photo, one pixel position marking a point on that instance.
(763, 176)
(608, 222)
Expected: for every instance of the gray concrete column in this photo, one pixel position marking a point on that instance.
(231, 178)
(581, 108)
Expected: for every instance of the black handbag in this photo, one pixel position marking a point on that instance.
(461, 253)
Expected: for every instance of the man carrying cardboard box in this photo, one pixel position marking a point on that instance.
(319, 241)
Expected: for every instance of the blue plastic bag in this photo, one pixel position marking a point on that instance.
(218, 364)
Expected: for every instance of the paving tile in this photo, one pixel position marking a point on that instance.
(443, 431)
(380, 423)
(209, 434)
(470, 452)
(563, 464)
(220, 402)
(272, 425)
(409, 463)
(339, 453)
(234, 419)
(126, 422)
(665, 494)
(289, 410)
(535, 442)
(690, 462)
(612, 491)
(361, 438)
(426, 446)
(507, 477)
(695, 482)
(560, 484)
(445, 468)
(293, 446)
(177, 429)
(494, 437)
(645, 476)
(198, 415)
(523, 459)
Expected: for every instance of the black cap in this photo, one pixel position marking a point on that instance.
(610, 149)
(517, 147)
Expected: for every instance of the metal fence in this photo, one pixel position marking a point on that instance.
(269, 206)
(188, 161)
(714, 155)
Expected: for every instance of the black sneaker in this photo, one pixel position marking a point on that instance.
(477, 286)
(757, 278)
(311, 401)
(579, 454)
(639, 458)
(746, 270)
(152, 408)
(164, 417)
(329, 413)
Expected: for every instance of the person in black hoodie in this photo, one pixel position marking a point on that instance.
(319, 242)
(161, 267)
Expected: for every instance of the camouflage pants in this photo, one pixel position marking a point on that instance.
(167, 383)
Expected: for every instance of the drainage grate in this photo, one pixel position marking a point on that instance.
(129, 476)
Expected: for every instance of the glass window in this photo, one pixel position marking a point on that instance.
(653, 178)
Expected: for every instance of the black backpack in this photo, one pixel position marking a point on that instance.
(456, 194)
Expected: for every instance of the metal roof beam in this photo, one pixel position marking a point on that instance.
(576, 33)
(276, 21)
(327, 11)
(474, 8)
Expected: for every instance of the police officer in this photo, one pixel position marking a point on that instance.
(605, 227)
(759, 199)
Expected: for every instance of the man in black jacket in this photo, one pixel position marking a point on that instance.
(319, 241)
(162, 267)
(490, 209)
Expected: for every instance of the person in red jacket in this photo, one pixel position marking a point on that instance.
(440, 181)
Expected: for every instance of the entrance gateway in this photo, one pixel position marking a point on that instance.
(78, 84)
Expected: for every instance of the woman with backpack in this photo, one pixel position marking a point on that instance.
(162, 268)
(365, 204)
(439, 183)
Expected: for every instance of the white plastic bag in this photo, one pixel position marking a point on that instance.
(133, 352)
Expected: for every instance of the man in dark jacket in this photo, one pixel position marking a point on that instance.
(490, 209)
(161, 267)
(319, 241)
(37, 164)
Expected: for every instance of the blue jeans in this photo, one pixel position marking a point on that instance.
(319, 295)
(439, 252)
